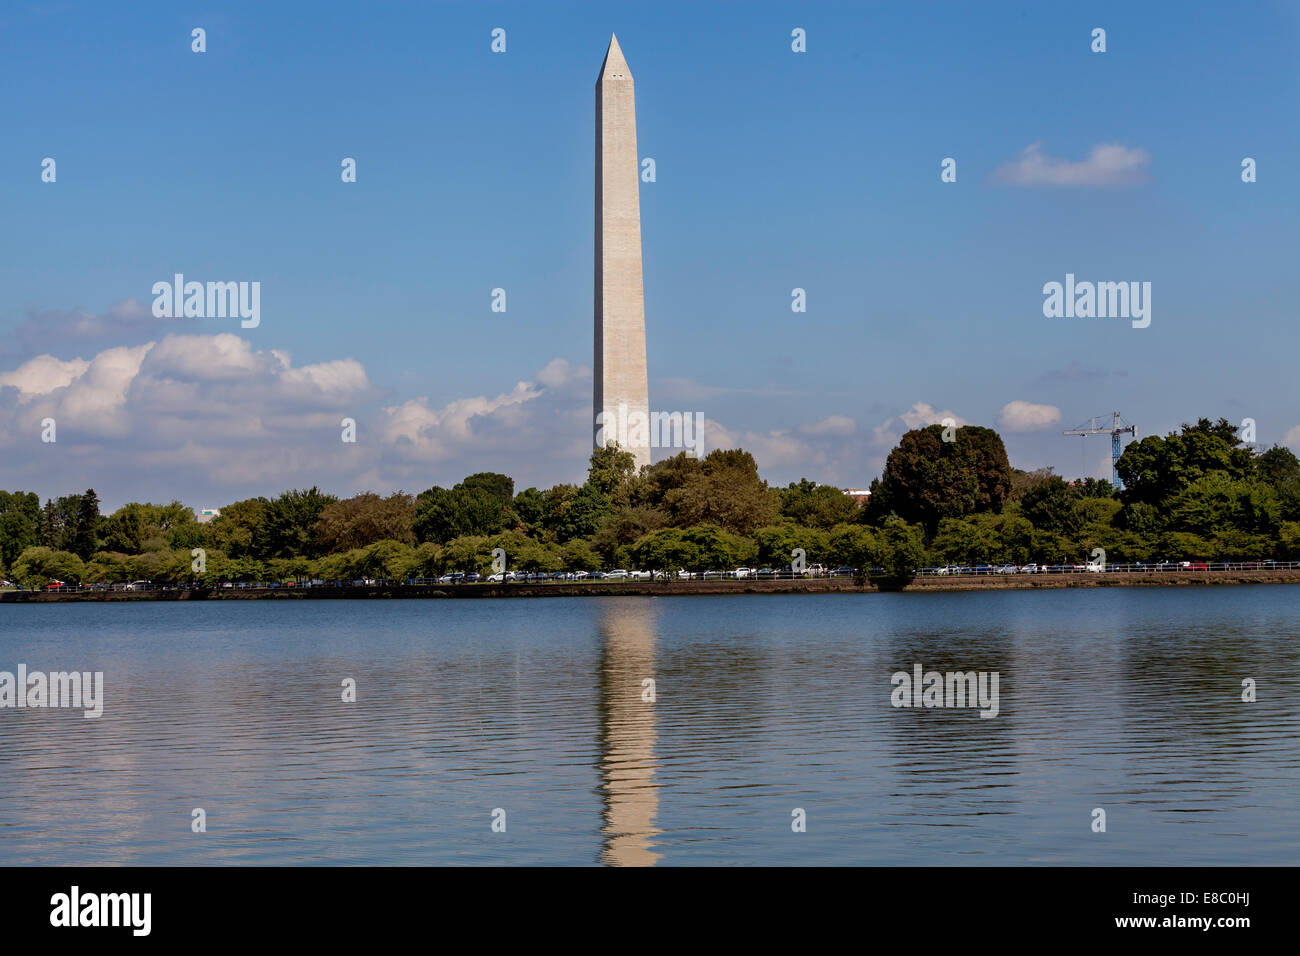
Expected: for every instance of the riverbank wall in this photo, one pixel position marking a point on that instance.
(928, 583)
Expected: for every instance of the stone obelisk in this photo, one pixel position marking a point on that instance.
(621, 389)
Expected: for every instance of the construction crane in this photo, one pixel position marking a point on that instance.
(1116, 429)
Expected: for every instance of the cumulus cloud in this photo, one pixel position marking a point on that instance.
(42, 375)
(1292, 439)
(832, 425)
(163, 418)
(887, 433)
(1021, 416)
(209, 418)
(124, 322)
(1107, 165)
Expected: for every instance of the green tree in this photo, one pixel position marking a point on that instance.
(38, 566)
(927, 479)
(816, 506)
(20, 522)
(777, 542)
(665, 550)
(475, 507)
(583, 514)
(290, 521)
(1049, 506)
(1288, 542)
(1155, 470)
(1222, 429)
(723, 489)
(1278, 466)
(715, 550)
(611, 472)
(238, 530)
(468, 553)
(858, 547)
(1217, 503)
(579, 555)
(529, 510)
(362, 520)
(904, 549)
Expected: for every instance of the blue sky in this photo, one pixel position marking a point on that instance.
(775, 170)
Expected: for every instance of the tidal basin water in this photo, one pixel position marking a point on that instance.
(1125, 699)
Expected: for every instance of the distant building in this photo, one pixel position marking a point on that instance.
(860, 495)
(206, 515)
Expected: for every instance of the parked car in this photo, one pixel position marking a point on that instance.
(617, 574)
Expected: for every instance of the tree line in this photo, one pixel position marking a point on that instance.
(945, 496)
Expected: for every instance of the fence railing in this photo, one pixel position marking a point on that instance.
(743, 574)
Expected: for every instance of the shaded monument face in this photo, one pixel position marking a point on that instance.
(622, 401)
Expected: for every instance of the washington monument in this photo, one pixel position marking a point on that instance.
(622, 396)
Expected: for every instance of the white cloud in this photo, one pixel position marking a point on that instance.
(1292, 439)
(1021, 416)
(1106, 165)
(832, 425)
(42, 375)
(211, 418)
(887, 433)
(125, 321)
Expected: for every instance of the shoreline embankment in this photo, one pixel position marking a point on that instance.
(677, 588)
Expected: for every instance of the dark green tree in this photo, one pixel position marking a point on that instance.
(927, 479)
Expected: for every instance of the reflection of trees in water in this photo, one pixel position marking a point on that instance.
(951, 760)
(1183, 697)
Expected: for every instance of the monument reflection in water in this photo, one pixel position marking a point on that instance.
(627, 718)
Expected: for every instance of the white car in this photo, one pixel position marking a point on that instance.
(640, 575)
(1029, 569)
(616, 574)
